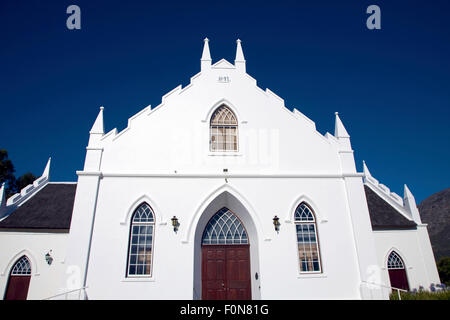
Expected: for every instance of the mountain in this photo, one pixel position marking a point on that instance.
(435, 211)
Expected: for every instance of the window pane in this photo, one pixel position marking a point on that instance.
(224, 227)
(308, 248)
(141, 237)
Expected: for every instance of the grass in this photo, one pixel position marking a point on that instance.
(421, 295)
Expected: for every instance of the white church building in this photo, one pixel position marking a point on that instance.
(219, 192)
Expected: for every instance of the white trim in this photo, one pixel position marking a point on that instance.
(217, 175)
(16, 257)
(402, 256)
(158, 215)
(217, 104)
(319, 217)
(388, 198)
(316, 231)
(189, 232)
(308, 275)
(129, 215)
(226, 153)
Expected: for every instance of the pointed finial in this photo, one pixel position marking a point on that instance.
(98, 128)
(339, 129)
(206, 55)
(46, 172)
(407, 193)
(239, 62)
(205, 61)
(409, 202)
(366, 170)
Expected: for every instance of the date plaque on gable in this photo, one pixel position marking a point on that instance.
(224, 79)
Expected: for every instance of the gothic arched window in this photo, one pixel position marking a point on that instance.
(223, 130)
(224, 228)
(395, 262)
(19, 280)
(22, 267)
(141, 242)
(397, 271)
(308, 244)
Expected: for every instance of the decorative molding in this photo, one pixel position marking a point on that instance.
(217, 175)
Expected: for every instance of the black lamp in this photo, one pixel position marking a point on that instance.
(175, 223)
(276, 223)
(48, 258)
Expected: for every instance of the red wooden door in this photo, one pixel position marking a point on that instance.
(398, 279)
(17, 288)
(226, 272)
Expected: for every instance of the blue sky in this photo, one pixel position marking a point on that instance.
(390, 86)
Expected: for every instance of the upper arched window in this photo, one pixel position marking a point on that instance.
(308, 244)
(395, 262)
(224, 228)
(22, 267)
(223, 130)
(140, 250)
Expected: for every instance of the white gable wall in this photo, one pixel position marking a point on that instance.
(45, 279)
(163, 158)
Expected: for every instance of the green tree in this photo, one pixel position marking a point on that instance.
(443, 266)
(24, 180)
(7, 173)
(12, 185)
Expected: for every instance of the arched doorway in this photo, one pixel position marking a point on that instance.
(225, 258)
(19, 280)
(397, 271)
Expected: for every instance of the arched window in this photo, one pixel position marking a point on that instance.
(397, 271)
(22, 267)
(224, 228)
(223, 130)
(141, 242)
(308, 244)
(395, 262)
(19, 280)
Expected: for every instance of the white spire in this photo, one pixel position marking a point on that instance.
(339, 129)
(239, 62)
(410, 205)
(46, 172)
(366, 170)
(98, 128)
(205, 61)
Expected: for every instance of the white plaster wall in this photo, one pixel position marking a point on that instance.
(175, 135)
(173, 269)
(163, 157)
(412, 246)
(46, 279)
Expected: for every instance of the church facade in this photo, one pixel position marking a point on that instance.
(220, 192)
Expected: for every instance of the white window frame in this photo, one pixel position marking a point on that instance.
(130, 235)
(223, 126)
(317, 242)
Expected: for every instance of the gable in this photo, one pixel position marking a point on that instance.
(383, 216)
(223, 64)
(174, 136)
(51, 208)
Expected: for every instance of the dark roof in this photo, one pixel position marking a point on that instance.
(50, 208)
(383, 216)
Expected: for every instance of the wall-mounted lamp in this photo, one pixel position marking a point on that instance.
(48, 258)
(175, 224)
(276, 223)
